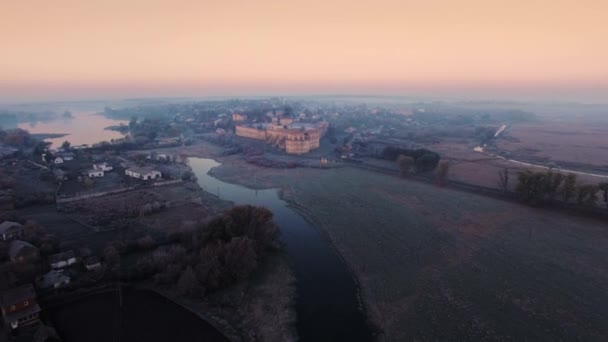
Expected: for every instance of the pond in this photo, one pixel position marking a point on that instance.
(143, 316)
(327, 302)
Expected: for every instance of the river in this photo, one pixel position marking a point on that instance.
(327, 303)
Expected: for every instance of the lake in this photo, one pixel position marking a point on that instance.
(327, 303)
(85, 127)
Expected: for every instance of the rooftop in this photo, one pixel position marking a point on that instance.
(16, 246)
(16, 295)
(142, 170)
(61, 256)
(6, 225)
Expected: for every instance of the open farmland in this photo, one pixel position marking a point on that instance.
(438, 264)
(579, 145)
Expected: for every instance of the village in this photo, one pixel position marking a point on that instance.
(77, 218)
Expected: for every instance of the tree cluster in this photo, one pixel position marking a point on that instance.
(547, 187)
(225, 251)
(17, 138)
(424, 160)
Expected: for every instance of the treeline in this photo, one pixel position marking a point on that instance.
(550, 187)
(221, 253)
(418, 160)
(17, 137)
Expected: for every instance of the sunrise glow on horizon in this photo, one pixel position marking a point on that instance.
(80, 48)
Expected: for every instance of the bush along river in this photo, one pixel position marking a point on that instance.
(327, 304)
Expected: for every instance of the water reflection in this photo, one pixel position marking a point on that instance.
(83, 128)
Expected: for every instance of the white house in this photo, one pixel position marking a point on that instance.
(95, 173)
(142, 173)
(105, 167)
(62, 260)
(53, 279)
(92, 263)
(67, 156)
(58, 160)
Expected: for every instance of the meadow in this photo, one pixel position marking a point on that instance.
(439, 264)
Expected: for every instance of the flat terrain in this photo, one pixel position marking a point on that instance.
(565, 143)
(438, 264)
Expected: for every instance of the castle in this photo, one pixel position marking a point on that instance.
(294, 138)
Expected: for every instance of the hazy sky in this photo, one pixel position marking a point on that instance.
(94, 48)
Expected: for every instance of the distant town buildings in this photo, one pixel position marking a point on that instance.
(238, 117)
(294, 138)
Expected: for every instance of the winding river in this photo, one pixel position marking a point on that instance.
(327, 305)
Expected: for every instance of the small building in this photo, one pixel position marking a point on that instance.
(95, 173)
(53, 280)
(58, 160)
(19, 306)
(105, 167)
(67, 156)
(11, 230)
(61, 260)
(92, 263)
(22, 251)
(143, 173)
(238, 117)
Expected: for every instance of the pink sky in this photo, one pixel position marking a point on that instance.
(92, 49)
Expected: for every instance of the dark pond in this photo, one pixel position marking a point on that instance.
(143, 316)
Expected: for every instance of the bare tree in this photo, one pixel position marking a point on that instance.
(604, 188)
(503, 179)
(443, 172)
(406, 164)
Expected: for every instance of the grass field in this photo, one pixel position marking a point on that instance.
(437, 264)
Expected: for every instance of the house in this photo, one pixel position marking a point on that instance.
(142, 173)
(10, 230)
(92, 263)
(53, 280)
(105, 167)
(238, 117)
(67, 156)
(22, 251)
(61, 260)
(19, 306)
(95, 173)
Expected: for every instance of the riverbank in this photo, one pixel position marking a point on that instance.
(241, 312)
